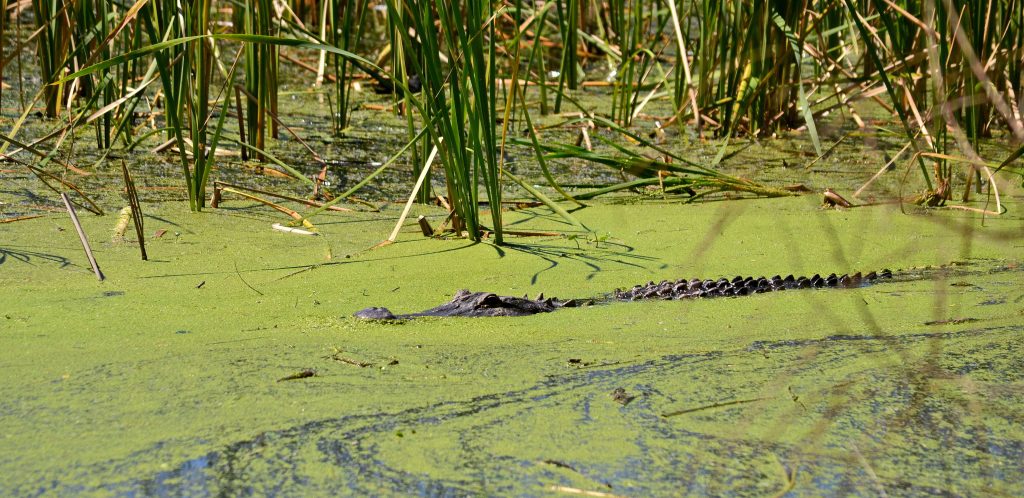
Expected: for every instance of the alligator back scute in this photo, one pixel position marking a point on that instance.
(477, 304)
(743, 286)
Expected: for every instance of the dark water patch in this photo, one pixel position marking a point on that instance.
(902, 339)
(913, 437)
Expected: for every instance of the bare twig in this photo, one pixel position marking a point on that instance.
(578, 491)
(133, 202)
(713, 405)
(412, 196)
(81, 235)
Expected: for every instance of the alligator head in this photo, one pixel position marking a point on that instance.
(466, 303)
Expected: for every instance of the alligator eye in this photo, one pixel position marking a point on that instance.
(489, 300)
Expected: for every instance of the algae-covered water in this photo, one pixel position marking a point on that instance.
(164, 379)
(229, 363)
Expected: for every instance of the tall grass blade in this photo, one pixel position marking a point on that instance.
(805, 107)
(872, 51)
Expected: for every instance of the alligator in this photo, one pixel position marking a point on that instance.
(477, 304)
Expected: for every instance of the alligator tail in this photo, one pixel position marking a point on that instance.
(742, 286)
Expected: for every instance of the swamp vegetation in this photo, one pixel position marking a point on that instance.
(268, 160)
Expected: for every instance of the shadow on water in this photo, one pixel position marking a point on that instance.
(890, 416)
(28, 257)
(593, 258)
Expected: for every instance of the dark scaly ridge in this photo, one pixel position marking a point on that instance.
(742, 286)
(476, 304)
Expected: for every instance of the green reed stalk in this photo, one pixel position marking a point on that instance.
(628, 23)
(537, 54)
(478, 47)
(749, 64)
(200, 64)
(52, 45)
(261, 68)
(873, 55)
(568, 23)
(3, 33)
(91, 28)
(446, 131)
(351, 14)
(460, 100)
(185, 73)
(406, 57)
(973, 20)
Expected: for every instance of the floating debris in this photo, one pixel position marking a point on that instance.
(309, 372)
(297, 231)
(620, 396)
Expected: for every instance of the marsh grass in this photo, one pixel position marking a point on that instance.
(257, 17)
(53, 24)
(181, 91)
(347, 19)
(461, 99)
(950, 69)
